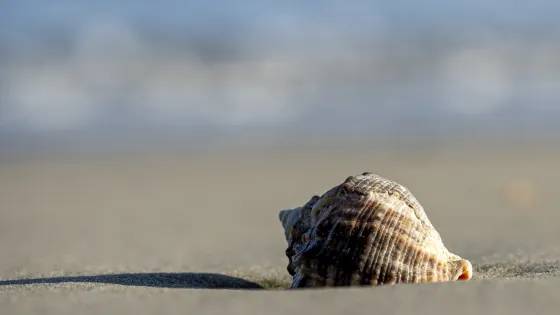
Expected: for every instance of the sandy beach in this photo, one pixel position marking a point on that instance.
(199, 233)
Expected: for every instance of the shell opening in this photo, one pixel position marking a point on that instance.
(463, 270)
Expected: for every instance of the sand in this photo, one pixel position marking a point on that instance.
(199, 233)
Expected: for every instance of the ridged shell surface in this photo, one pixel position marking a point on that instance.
(368, 230)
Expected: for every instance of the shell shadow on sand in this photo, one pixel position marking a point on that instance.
(211, 281)
(190, 280)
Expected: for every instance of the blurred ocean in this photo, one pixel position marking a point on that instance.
(106, 73)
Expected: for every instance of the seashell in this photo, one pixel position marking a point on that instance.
(368, 230)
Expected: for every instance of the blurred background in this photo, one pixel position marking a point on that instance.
(101, 74)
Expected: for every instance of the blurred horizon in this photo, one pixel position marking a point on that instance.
(190, 72)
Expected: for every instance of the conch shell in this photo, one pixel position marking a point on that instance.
(368, 230)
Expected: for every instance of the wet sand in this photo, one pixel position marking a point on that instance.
(200, 232)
